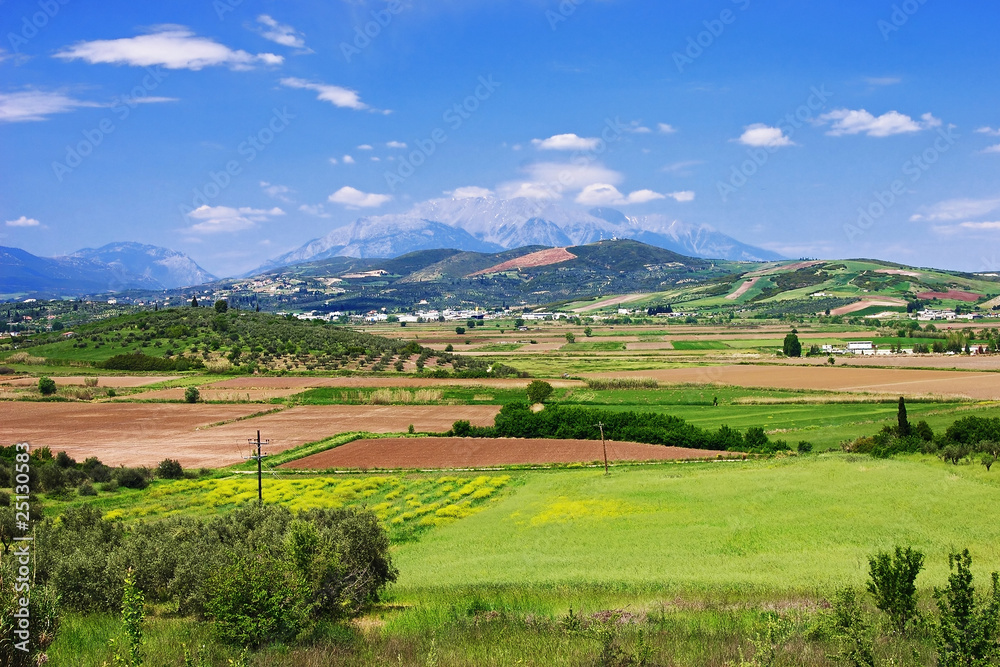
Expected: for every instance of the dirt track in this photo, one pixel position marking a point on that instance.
(359, 382)
(145, 434)
(116, 381)
(896, 381)
(743, 289)
(482, 452)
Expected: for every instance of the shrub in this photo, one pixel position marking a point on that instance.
(53, 479)
(169, 469)
(192, 395)
(804, 447)
(131, 478)
(86, 489)
(47, 386)
(892, 578)
(967, 632)
(110, 486)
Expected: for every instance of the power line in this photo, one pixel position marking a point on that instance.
(259, 457)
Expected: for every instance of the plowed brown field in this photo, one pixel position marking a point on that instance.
(896, 381)
(145, 434)
(484, 452)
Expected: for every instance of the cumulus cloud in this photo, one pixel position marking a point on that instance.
(33, 105)
(957, 209)
(682, 195)
(847, 121)
(23, 222)
(666, 128)
(354, 198)
(316, 210)
(171, 46)
(344, 98)
(995, 148)
(637, 128)
(218, 219)
(989, 131)
(395, 144)
(366, 147)
(347, 159)
(566, 142)
(470, 192)
(760, 135)
(549, 180)
(280, 33)
(605, 194)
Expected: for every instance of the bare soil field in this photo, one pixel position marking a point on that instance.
(484, 452)
(604, 303)
(145, 434)
(540, 258)
(958, 295)
(895, 381)
(300, 383)
(665, 345)
(867, 303)
(984, 362)
(117, 381)
(744, 288)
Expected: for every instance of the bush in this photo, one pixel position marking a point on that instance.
(169, 469)
(192, 395)
(53, 478)
(967, 631)
(47, 386)
(460, 330)
(86, 489)
(804, 447)
(255, 600)
(110, 486)
(131, 478)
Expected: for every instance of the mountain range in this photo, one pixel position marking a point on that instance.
(111, 268)
(489, 224)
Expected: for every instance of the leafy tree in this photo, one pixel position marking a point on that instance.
(192, 395)
(755, 438)
(539, 391)
(967, 631)
(791, 346)
(570, 338)
(588, 332)
(133, 618)
(519, 323)
(892, 578)
(903, 424)
(194, 302)
(460, 330)
(47, 386)
(221, 306)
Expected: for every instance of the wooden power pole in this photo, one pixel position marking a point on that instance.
(604, 445)
(258, 457)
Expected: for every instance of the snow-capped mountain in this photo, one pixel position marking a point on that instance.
(166, 268)
(489, 224)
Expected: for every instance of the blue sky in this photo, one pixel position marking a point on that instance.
(236, 130)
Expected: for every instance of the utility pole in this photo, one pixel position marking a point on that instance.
(258, 457)
(600, 425)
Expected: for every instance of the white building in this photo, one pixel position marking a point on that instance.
(861, 347)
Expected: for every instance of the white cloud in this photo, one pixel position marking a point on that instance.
(682, 167)
(277, 191)
(993, 226)
(218, 219)
(528, 190)
(170, 46)
(605, 194)
(23, 222)
(763, 136)
(395, 144)
(572, 176)
(883, 80)
(956, 209)
(848, 121)
(347, 159)
(637, 128)
(316, 210)
(666, 128)
(344, 98)
(334, 160)
(365, 147)
(470, 192)
(995, 148)
(682, 195)
(282, 34)
(989, 131)
(375, 159)
(29, 105)
(566, 142)
(354, 198)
